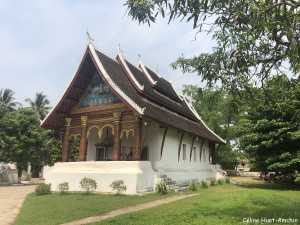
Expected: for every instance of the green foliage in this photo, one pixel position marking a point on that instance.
(162, 188)
(213, 182)
(269, 133)
(43, 189)
(297, 179)
(220, 181)
(204, 184)
(53, 147)
(39, 104)
(118, 186)
(7, 100)
(23, 138)
(63, 187)
(193, 186)
(88, 185)
(227, 180)
(254, 39)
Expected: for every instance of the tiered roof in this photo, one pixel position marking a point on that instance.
(144, 91)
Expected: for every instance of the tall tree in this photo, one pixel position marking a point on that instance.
(23, 139)
(270, 134)
(7, 99)
(39, 104)
(254, 39)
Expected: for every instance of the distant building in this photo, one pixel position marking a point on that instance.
(132, 126)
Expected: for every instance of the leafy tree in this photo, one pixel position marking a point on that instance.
(53, 147)
(40, 104)
(254, 39)
(23, 139)
(220, 113)
(270, 134)
(7, 99)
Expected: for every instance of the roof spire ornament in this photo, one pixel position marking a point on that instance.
(119, 49)
(156, 70)
(139, 54)
(89, 39)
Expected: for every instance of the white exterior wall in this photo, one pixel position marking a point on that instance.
(137, 175)
(183, 171)
(153, 141)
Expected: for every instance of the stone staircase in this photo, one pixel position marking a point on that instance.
(171, 183)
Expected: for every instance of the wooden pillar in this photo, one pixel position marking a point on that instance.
(82, 146)
(117, 134)
(137, 138)
(66, 143)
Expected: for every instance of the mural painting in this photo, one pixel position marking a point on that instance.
(98, 94)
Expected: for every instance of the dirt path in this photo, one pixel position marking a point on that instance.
(126, 210)
(12, 198)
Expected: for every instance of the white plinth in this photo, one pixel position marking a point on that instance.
(137, 175)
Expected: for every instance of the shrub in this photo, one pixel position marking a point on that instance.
(297, 179)
(162, 188)
(204, 184)
(63, 187)
(220, 181)
(227, 180)
(193, 186)
(88, 185)
(213, 182)
(118, 186)
(43, 189)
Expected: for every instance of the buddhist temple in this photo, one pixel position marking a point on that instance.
(133, 126)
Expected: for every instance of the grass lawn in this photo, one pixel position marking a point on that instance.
(58, 208)
(224, 204)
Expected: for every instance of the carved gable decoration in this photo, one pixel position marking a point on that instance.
(98, 94)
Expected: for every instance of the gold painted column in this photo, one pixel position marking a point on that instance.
(82, 145)
(117, 133)
(137, 138)
(66, 143)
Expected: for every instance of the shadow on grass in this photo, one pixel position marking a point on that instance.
(271, 186)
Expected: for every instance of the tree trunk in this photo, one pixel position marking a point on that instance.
(20, 169)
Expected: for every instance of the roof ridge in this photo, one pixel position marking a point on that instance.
(132, 77)
(145, 71)
(139, 109)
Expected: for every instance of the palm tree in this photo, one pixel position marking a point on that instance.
(39, 104)
(7, 99)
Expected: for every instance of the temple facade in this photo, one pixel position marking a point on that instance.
(132, 126)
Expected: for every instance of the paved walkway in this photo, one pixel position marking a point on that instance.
(126, 210)
(12, 198)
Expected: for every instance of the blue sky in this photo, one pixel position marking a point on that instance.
(42, 42)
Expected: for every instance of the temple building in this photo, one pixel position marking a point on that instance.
(132, 125)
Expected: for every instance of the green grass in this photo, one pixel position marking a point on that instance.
(58, 208)
(223, 204)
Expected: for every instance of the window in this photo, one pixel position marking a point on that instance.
(204, 155)
(184, 152)
(195, 154)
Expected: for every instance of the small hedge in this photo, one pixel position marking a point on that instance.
(63, 187)
(88, 185)
(118, 186)
(43, 189)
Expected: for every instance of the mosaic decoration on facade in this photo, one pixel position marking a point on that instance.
(98, 94)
